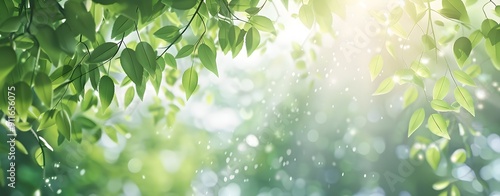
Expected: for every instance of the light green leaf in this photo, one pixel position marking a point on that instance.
(492, 46)
(441, 106)
(168, 33)
(88, 100)
(417, 118)
(252, 40)
(189, 81)
(475, 37)
(24, 97)
(21, 147)
(461, 50)
(146, 57)
(111, 133)
(464, 98)
(459, 156)
(441, 88)
(438, 126)
(487, 25)
(440, 185)
(131, 66)
(185, 51)
(106, 91)
(433, 156)
(46, 120)
(306, 15)
(170, 60)
(39, 157)
(103, 52)
(428, 42)
(463, 77)
(129, 96)
(262, 23)
(376, 65)
(454, 191)
(473, 71)
(43, 88)
(497, 10)
(122, 25)
(385, 86)
(455, 9)
(410, 96)
(207, 58)
(63, 123)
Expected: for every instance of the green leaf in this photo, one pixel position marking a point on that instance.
(46, 120)
(106, 91)
(129, 96)
(9, 61)
(417, 118)
(170, 60)
(252, 40)
(43, 88)
(461, 50)
(464, 98)
(39, 157)
(433, 156)
(185, 51)
(88, 100)
(306, 15)
(168, 33)
(12, 24)
(189, 81)
(455, 9)
(67, 41)
(438, 126)
(385, 86)
(131, 66)
(24, 98)
(376, 65)
(428, 41)
(184, 4)
(459, 156)
(463, 78)
(487, 25)
(207, 58)
(103, 52)
(122, 25)
(492, 46)
(441, 88)
(473, 71)
(63, 123)
(441, 106)
(262, 23)
(47, 38)
(410, 96)
(111, 133)
(497, 10)
(475, 37)
(21, 147)
(440, 185)
(79, 19)
(454, 191)
(146, 57)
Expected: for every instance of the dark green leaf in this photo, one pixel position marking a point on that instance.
(79, 19)
(455, 9)
(146, 57)
(103, 52)
(168, 33)
(131, 66)
(122, 25)
(9, 61)
(208, 58)
(106, 91)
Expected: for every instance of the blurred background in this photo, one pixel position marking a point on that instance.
(283, 123)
